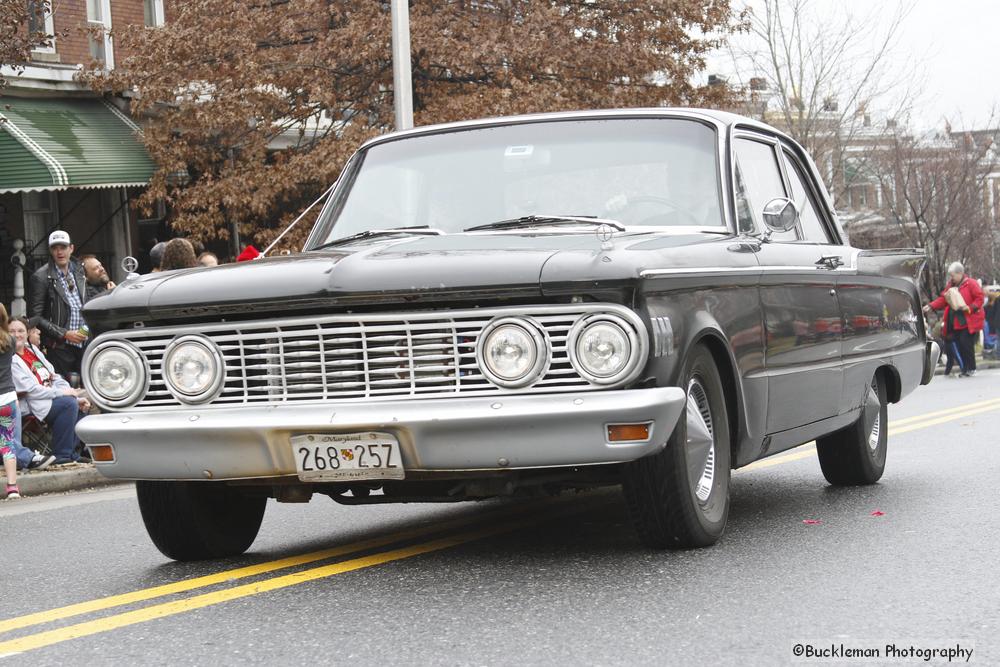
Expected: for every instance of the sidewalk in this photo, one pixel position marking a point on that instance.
(61, 479)
(981, 365)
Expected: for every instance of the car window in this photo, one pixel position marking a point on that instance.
(744, 218)
(812, 226)
(758, 165)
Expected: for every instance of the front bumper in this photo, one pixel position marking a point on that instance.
(932, 352)
(446, 434)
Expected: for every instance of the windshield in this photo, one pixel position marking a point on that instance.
(640, 172)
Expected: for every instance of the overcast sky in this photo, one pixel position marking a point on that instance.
(956, 44)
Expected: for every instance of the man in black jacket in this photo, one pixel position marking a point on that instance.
(56, 297)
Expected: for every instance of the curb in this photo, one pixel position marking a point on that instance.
(75, 477)
(981, 365)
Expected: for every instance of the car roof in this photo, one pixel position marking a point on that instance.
(721, 119)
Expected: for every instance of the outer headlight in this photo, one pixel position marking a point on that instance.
(603, 348)
(193, 369)
(512, 352)
(116, 374)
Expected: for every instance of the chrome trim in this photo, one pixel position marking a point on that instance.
(438, 435)
(142, 388)
(663, 336)
(220, 370)
(637, 350)
(365, 357)
(543, 352)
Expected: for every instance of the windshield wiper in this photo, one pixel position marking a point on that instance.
(371, 233)
(539, 220)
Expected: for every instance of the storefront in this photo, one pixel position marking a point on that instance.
(67, 163)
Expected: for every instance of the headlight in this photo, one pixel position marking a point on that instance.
(512, 352)
(116, 373)
(603, 348)
(193, 369)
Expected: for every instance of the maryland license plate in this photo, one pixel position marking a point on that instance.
(346, 457)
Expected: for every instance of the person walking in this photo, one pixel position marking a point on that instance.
(56, 297)
(964, 321)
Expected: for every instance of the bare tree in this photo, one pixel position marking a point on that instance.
(935, 194)
(818, 76)
(22, 28)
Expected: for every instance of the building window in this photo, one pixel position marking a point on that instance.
(39, 218)
(99, 23)
(153, 12)
(40, 21)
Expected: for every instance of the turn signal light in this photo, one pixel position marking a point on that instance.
(628, 432)
(102, 453)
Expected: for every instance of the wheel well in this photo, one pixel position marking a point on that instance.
(893, 385)
(728, 375)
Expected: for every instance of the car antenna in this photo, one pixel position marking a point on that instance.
(296, 221)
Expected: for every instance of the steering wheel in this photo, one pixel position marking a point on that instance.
(663, 201)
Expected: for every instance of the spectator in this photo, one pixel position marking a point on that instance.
(156, 255)
(208, 258)
(48, 397)
(98, 281)
(178, 254)
(963, 323)
(13, 455)
(56, 297)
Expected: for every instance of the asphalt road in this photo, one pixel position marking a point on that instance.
(542, 582)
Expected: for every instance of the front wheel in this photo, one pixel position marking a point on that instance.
(679, 498)
(199, 520)
(855, 455)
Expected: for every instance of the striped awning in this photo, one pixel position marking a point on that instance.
(59, 143)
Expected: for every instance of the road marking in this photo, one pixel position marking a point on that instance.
(896, 427)
(161, 610)
(165, 609)
(927, 415)
(894, 430)
(254, 570)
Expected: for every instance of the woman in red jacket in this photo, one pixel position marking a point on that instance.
(962, 326)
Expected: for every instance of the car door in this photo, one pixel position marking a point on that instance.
(798, 290)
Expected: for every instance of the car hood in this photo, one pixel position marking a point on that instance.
(457, 267)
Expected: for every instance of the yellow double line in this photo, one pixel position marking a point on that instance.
(896, 427)
(500, 522)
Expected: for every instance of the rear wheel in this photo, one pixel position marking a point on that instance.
(679, 498)
(199, 520)
(855, 455)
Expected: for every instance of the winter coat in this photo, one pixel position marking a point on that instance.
(47, 300)
(973, 295)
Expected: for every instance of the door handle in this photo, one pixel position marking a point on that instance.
(829, 262)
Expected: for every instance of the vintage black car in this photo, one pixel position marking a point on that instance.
(520, 305)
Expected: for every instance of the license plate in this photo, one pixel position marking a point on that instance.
(345, 457)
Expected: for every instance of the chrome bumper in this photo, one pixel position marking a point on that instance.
(450, 434)
(931, 355)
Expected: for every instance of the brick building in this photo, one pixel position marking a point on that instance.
(70, 159)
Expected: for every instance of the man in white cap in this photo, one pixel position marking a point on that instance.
(56, 297)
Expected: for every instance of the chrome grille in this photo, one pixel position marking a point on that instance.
(363, 357)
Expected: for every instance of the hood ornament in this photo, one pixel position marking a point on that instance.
(130, 265)
(605, 233)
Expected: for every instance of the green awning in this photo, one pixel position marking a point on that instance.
(54, 144)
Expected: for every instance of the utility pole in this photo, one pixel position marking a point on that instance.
(402, 82)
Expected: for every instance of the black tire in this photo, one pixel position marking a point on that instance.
(199, 520)
(850, 456)
(660, 492)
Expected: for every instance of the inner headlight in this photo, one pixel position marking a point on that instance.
(603, 349)
(192, 368)
(116, 373)
(512, 353)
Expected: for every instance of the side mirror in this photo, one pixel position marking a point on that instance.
(780, 215)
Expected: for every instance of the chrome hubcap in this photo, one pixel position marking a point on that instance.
(700, 441)
(876, 430)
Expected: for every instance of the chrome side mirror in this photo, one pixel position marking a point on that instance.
(780, 215)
